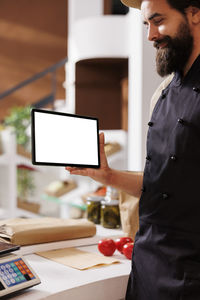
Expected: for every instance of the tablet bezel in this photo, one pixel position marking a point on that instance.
(33, 150)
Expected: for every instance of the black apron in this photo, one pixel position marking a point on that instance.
(166, 256)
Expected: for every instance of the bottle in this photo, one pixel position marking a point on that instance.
(94, 208)
(110, 213)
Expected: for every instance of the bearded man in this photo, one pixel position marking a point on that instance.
(166, 256)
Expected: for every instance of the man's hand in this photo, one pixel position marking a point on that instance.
(102, 174)
(130, 182)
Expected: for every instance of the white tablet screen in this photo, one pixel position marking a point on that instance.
(64, 139)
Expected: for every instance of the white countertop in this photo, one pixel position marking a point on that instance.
(61, 282)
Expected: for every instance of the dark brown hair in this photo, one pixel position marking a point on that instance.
(181, 5)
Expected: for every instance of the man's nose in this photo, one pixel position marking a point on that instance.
(153, 33)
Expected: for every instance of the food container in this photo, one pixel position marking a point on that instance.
(112, 193)
(94, 209)
(110, 214)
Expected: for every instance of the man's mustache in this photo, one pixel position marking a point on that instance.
(157, 43)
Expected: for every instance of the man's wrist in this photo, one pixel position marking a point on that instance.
(109, 177)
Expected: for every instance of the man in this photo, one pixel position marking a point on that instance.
(166, 258)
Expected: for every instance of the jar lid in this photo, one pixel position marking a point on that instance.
(95, 198)
(111, 202)
(112, 192)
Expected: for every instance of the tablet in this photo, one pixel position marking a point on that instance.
(7, 247)
(62, 139)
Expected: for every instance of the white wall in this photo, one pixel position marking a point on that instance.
(143, 80)
(77, 10)
(83, 9)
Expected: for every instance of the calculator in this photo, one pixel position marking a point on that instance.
(15, 274)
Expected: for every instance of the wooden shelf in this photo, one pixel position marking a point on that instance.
(99, 90)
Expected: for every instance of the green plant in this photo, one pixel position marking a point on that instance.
(25, 182)
(19, 119)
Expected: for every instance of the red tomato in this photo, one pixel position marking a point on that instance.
(128, 249)
(120, 242)
(107, 247)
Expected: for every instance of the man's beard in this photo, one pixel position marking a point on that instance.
(175, 55)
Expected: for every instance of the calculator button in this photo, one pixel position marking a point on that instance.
(11, 270)
(8, 282)
(12, 280)
(27, 277)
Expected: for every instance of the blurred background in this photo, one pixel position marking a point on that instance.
(88, 57)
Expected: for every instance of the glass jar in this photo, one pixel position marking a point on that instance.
(94, 209)
(110, 214)
(112, 193)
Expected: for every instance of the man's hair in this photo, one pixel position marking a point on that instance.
(181, 5)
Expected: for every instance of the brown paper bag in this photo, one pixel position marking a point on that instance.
(78, 259)
(43, 230)
(129, 213)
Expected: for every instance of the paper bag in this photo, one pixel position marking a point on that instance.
(129, 213)
(78, 259)
(43, 230)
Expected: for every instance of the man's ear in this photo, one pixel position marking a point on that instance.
(193, 14)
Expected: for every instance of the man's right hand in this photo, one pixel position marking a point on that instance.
(130, 182)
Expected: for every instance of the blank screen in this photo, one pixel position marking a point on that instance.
(64, 139)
